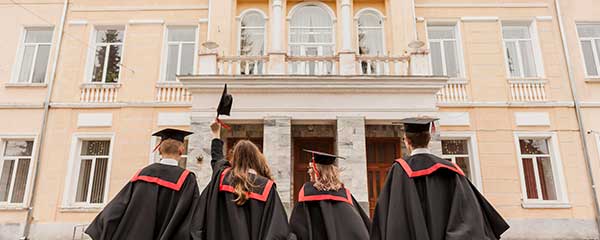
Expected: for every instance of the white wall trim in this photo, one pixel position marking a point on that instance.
(203, 20)
(532, 118)
(94, 119)
(482, 5)
(479, 19)
(139, 8)
(72, 172)
(509, 104)
(473, 153)
(325, 7)
(78, 22)
(557, 169)
(173, 119)
(544, 18)
(146, 21)
(455, 119)
(31, 170)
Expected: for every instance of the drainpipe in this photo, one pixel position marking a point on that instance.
(44, 124)
(582, 132)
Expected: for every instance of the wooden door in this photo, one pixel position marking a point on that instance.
(301, 158)
(381, 153)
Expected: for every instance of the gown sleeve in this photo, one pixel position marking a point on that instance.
(218, 160)
(362, 213)
(300, 223)
(105, 224)
(275, 221)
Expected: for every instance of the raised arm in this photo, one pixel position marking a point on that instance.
(216, 148)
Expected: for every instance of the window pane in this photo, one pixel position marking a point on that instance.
(26, 64)
(455, 147)
(529, 178)
(5, 179)
(588, 55)
(172, 55)
(441, 32)
(589, 30)
(20, 181)
(513, 62)
(463, 163)
(533, 146)
(187, 59)
(41, 63)
(38, 35)
(18, 148)
(99, 181)
(84, 180)
(252, 42)
(114, 66)
(451, 58)
(253, 19)
(369, 19)
(528, 59)
(515, 32)
(546, 178)
(436, 59)
(109, 36)
(99, 64)
(370, 41)
(187, 34)
(95, 148)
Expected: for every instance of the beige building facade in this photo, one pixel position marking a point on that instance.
(85, 83)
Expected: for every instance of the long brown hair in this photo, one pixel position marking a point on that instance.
(246, 156)
(328, 178)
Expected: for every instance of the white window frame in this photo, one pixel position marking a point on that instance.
(239, 28)
(319, 46)
(474, 164)
(92, 54)
(457, 25)
(594, 48)
(74, 165)
(165, 49)
(535, 45)
(382, 28)
(562, 200)
(21, 51)
(30, 172)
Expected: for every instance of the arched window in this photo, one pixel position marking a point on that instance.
(252, 34)
(311, 32)
(370, 33)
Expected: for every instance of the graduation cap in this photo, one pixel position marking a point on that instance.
(419, 124)
(322, 158)
(224, 107)
(170, 133)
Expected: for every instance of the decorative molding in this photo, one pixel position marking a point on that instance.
(146, 21)
(21, 106)
(455, 119)
(544, 18)
(173, 119)
(25, 85)
(78, 22)
(508, 104)
(420, 19)
(139, 8)
(94, 120)
(482, 5)
(203, 20)
(479, 19)
(147, 104)
(532, 118)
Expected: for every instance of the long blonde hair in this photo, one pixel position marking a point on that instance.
(328, 178)
(246, 156)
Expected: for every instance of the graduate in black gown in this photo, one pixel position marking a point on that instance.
(241, 200)
(326, 210)
(429, 198)
(157, 203)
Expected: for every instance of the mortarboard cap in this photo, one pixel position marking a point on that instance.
(418, 124)
(323, 158)
(225, 103)
(171, 133)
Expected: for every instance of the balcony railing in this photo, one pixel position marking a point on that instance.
(172, 93)
(528, 90)
(99, 93)
(382, 65)
(312, 65)
(243, 65)
(454, 92)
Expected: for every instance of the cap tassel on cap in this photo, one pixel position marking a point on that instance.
(157, 145)
(315, 165)
(223, 124)
(433, 128)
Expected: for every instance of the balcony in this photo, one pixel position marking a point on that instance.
(99, 92)
(527, 90)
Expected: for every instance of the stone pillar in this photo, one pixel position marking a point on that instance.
(346, 25)
(199, 148)
(277, 147)
(277, 55)
(351, 144)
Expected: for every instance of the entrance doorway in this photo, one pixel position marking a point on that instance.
(381, 153)
(301, 158)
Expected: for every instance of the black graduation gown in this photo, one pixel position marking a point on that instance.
(429, 198)
(158, 203)
(328, 215)
(262, 217)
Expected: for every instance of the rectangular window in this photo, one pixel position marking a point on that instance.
(108, 45)
(93, 160)
(457, 151)
(15, 167)
(520, 51)
(589, 37)
(538, 173)
(444, 48)
(180, 52)
(34, 55)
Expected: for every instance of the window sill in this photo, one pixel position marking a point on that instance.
(11, 207)
(25, 85)
(458, 80)
(100, 85)
(527, 80)
(546, 205)
(169, 84)
(90, 208)
(592, 80)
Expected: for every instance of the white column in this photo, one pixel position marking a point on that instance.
(277, 147)
(346, 26)
(276, 26)
(351, 144)
(207, 63)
